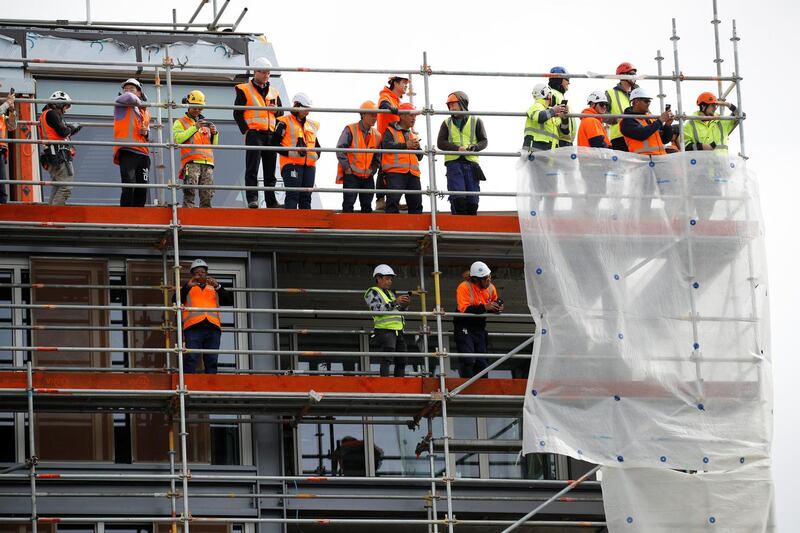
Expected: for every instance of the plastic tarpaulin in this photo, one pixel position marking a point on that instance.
(647, 280)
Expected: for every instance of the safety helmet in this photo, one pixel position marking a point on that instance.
(398, 77)
(625, 68)
(597, 97)
(639, 93)
(368, 105)
(61, 95)
(558, 70)
(196, 98)
(132, 81)
(383, 270)
(407, 106)
(262, 63)
(302, 99)
(460, 97)
(706, 98)
(541, 90)
(479, 270)
(198, 263)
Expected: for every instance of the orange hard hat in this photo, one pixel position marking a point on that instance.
(369, 104)
(407, 106)
(624, 68)
(706, 98)
(452, 98)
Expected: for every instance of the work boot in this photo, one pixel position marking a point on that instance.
(252, 205)
(380, 204)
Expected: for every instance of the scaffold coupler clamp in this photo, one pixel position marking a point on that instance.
(31, 461)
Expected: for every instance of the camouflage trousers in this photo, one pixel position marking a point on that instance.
(198, 174)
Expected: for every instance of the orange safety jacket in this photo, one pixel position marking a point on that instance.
(3, 133)
(206, 297)
(203, 136)
(294, 132)
(653, 145)
(45, 131)
(127, 129)
(360, 162)
(590, 128)
(399, 162)
(384, 119)
(468, 294)
(259, 119)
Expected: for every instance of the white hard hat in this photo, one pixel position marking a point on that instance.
(541, 90)
(401, 76)
(60, 95)
(302, 99)
(132, 81)
(383, 270)
(597, 97)
(262, 63)
(641, 93)
(479, 269)
(198, 263)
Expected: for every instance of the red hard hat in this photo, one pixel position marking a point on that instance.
(407, 106)
(624, 68)
(706, 98)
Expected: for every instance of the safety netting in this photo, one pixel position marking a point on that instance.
(647, 281)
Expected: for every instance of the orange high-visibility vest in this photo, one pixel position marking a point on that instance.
(384, 119)
(468, 294)
(3, 132)
(258, 119)
(590, 128)
(45, 131)
(294, 132)
(399, 162)
(206, 297)
(360, 162)
(203, 136)
(127, 129)
(653, 145)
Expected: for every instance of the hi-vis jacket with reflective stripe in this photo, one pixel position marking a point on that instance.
(185, 125)
(259, 119)
(546, 132)
(618, 102)
(128, 129)
(558, 97)
(708, 131)
(207, 298)
(465, 136)
(399, 162)
(392, 322)
(291, 137)
(360, 162)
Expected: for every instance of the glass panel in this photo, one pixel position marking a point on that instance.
(130, 528)
(6, 527)
(8, 453)
(330, 343)
(399, 445)
(6, 333)
(505, 465)
(467, 464)
(321, 444)
(196, 527)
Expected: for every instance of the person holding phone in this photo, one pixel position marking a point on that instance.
(559, 84)
(388, 333)
(132, 125)
(8, 122)
(475, 295)
(197, 164)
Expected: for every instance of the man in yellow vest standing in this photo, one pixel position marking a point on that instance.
(132, 124)
(357, 169)
(466, 134)
(388, 334)
(8, 122)
(202, 329)
(542, 132)
(298, 167)
(402, 168)
(258, 126)
(197, 164)
(619, 101)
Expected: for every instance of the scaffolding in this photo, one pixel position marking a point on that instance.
(298, 395)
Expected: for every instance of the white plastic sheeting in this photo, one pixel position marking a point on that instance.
(647, 280)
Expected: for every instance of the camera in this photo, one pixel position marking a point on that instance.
(499, 301)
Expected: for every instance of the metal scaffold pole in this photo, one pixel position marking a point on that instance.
(678, 77)
(737, 79)
(32, 459)
(659, 58)
(717, 59)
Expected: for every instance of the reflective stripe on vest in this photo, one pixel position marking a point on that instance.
(616, 107)
(294, 132)
(458, 137)
(399, 162)
(392, 322)
(558, 97)
(201, 136)
(259, 119)
(653, 145)
(723, 141)
(545, 133)
(360, 162)
(204, 298)
(127, 129)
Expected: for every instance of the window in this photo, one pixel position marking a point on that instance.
(322, 445)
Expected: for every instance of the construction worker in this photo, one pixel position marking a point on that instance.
(402, 169)
(462, 133)
(708, 134)
(618, 102)
(389, 99)
(592, 132)
(559, 86)
(388, 329)
(356, 170)
(8, 122)
(475, 295)
(56, 159)
(197, 164)
(349, 458)
(202, 330)
(298, 168)
(543, 120)
(258, 127)
(132, 124)
(645, 136)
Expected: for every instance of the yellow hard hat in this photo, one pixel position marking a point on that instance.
(196, 97)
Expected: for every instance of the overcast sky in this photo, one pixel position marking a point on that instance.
(582, 36)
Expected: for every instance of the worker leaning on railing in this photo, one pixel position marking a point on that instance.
(197, 164)
(8, 122)
(56, 159)
(132, 124)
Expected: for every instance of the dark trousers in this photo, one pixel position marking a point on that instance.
(471, 341)
(462, 176)
(298, 176)
(3, 194)
(205, 336)
(134, 167)
(351, 181)
(254, 158)
(406, 181)
(619, 144)
(388, 340)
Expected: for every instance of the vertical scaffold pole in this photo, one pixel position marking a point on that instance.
(178, 318)
(173, 502)
(437, 292)
(424, 305)
(659, 59)
(160, 136)
(735, 39)
(678, 76)
(717, 58)
(32, 449)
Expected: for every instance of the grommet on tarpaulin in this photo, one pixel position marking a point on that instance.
(573, 156)
(712, 520)
(534, 392)
(692, 222)
(616, 277)
(696, 285)
(614, 158)
(629, 520)
(533, 213)
(652, 164)
(696, 346)
(539, 271)
(693, 161)
(620, 336)
(531, 157)
(544, 331)
(541, 443)
(701, 406)
(663, 458)
(620, 459)
(616, 397)
(705, 460)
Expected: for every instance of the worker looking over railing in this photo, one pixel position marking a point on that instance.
(57, 158)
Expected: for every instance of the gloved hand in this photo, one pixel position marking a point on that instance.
(394, 110)
(75, 128)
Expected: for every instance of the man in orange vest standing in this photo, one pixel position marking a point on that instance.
(132, 124)
(389, 99)
(197, 164)
(592, 133)
(8, 122)
(202, 330)
(57, 158)
(475, 295)
(298, 167)
(357, 169)
(402, 168)
(258, 127)
(645, 136)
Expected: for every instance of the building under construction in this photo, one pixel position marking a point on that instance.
(101, 429)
